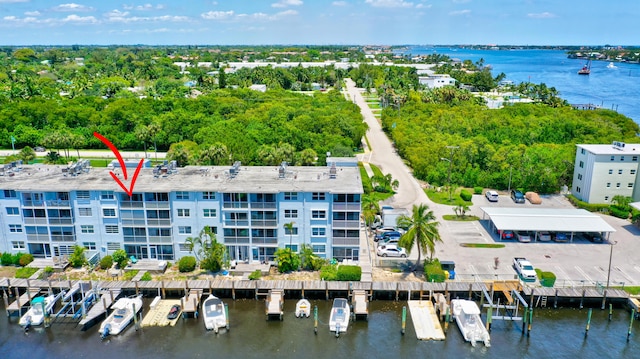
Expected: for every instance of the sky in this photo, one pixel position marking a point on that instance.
(319, 22)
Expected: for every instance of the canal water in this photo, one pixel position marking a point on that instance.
(558, 333)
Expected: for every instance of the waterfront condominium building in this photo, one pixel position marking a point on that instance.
(46, 210)
(602, 172)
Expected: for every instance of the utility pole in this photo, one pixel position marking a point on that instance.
(610, 256)
(451, 148)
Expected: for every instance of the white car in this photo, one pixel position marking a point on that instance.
(524, 237)
(492, 196)
(544, 236)
(391, 250)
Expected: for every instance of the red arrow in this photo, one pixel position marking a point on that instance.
(115, 151)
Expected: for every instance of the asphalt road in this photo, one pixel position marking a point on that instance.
(580, 263)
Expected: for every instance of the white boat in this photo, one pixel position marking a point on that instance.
(35, 314)
(123, 312)
(340, 314)
(467, 315)
(214, 314)
(303, 308)
(611, 66)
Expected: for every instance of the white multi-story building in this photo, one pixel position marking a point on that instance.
(602, 172)
(46, 210)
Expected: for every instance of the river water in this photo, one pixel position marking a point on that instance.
(612, 88)
(555, 334)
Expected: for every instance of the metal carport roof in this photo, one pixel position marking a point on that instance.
(546, 219)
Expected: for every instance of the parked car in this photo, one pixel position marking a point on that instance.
(39, 149)
(561, 237)
(593, 236)
(391, 250)
(389, 240)
(533, 197)
(492, 196)
(544, 236)
(380, 232)
(508, 234)
(524, 237)
(517, 196)
(174, 312)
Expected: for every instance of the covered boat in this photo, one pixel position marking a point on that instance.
(124, 311)
(214, 314)
(340, 314)
(36, 313)
(467, 316)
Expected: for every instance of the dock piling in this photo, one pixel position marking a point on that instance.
(404, 319)
(6, 302)
(586, 332)
(315, 319)
(604, 300)
(530, 321)
(489, 317)
(630, 326)
(226, 314)
(447, 319)
(610, 311)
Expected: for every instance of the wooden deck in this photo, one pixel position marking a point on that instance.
(191, 302)
(360, 304)
(425, 321)
(274, 304)
(99, 309)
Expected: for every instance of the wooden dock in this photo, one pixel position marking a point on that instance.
(274, 304)
(22, 301)
(360, 304)
(191, 302)
(425, 321)
(99, 309)
(157, 315)
(506, 287)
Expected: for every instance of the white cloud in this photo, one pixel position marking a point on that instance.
(72, 7)
(460, 12)
(423, 6)
(286, 3)
(75, 19)
(122, 17)
(217, 15)
(339, 3)
(144, 7)
(389, 3)
(542, 15)
(11, 2)
(32, 13)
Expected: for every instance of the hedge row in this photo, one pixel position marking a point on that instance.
(547, 279)
(18, 259)
(465, 195)
(346, 273)
(433, 272)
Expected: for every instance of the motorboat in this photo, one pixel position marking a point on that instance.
(611, 66)
(586, 69)
(303, 308)
(214, 314)
(123, 312)
(36, 313)
(467, 316)
(340, 315)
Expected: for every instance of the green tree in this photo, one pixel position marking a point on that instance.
(77, 258)
(287, 260)
(121, 258)
(214, 253)
(422, 231)
(27, 154)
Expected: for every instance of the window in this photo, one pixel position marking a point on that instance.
(606, 198)
(291, 196)
(84, 212)
(319, 248)
(86, 228)
(184, 229)
(208, 195)
(634, 159)
(113, 246)
(9, 193)
(318, 231)
(110, 229)
(579, 176)
(633, 172)
(610, 171)
(15, 228)
(108, 212)
(82, 195)
(208, 212)
(319, 214)
(582, 151)
(581, 164)
(318, 196)
(619, 172)
(618, 185)
(578, 189)
(107, 195)
(91, 246)
(608, 184)
(184, 212)
(630, 185)
(290, 213)
(293, 231)
(17, 245)
(613, 158)
(293, 247)
(13, 211)
(182, 195)
(621, 158)
(184, 247)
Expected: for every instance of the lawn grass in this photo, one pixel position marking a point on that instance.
(482, 245)
(454, 217)
(25, 272)
(442, 197)
(630, 289)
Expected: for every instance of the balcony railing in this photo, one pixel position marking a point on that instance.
(158, 222)
(346, 224)
(258, 205)
(30, 203)
(130, 204)
(59, 220)
(235, 205)
(133, 222)
(232, 240)
(160, 239)
(346, 241)
(236, 223)
(156, 204)
(63, 238)
(265, 240)
(35, 220)
(264, 223)
(346, 206)
(58, 203)
(38, 237)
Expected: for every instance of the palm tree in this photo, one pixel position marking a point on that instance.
(421, 230)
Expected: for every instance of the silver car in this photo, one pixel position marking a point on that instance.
(391, 250)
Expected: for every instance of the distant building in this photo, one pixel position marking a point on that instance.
(604, 171)
(258, 87)
(437, 81)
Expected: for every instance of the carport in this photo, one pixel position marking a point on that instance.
(546, 219)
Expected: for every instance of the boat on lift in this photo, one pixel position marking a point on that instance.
(40, 307)
(124, 311)
(467, 316)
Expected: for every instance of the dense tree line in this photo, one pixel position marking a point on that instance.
(530, 145)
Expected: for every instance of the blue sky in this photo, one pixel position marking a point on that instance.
(320, 22)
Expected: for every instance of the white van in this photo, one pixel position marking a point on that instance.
(492, 196)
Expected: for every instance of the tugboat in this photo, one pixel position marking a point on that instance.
(586, 69)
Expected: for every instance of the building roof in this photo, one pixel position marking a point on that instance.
(546, 219)
(612, 149)
(252, 179)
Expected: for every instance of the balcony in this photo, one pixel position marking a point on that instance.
(60, 220)
(63, 238)
(30, 203)
(158, 222)
(265, 240)
(162, 205)
(346, 206)
(35, 220)
(236, 240)
(346, 241)
(236, 223)
(258, 205)
(58, 203)
(160, 239)
(133, 222)
(235, 205)
(272, 223)
(38, 237)
(131, 204)
(346, 224)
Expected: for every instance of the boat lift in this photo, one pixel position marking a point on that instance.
(511, 309)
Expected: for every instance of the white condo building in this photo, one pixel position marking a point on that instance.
(46, 210)
(604, 171)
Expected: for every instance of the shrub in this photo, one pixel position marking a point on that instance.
(329, 272)
(619, 212)
(349, 273)
(130, 274)
(25, 272)
(256, 274)
(477, 190)
(433, 272)
(15, 258)
(25, 259)
(106, 262)
(6, 259)
(146, 277)
(465, 195)
(120, 257)
(547, 279)
(591, 207)
(187, 264)
(48, 269)
(77, 258)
